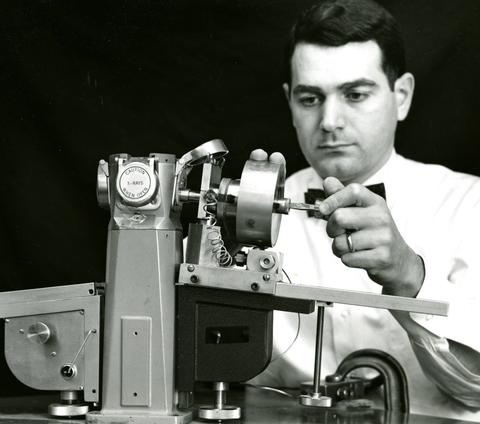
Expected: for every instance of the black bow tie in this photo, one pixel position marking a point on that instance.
(314, 194)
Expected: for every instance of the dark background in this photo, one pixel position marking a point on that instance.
(82, 80)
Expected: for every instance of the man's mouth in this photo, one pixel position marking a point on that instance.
(333, 146)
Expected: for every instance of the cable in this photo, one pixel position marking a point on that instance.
(267, 388)
(298, 328)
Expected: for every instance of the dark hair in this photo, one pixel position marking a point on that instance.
(338, 22)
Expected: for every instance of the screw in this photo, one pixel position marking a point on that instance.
(21, 331)
(68, 371)
(80, 387)
(7, 320)
(53, 353)
(190, 268)
(254, 286)
(194, 279)
(266, 277)
(82, 312)
(94, 331)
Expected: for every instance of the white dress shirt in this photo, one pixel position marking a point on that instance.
(437, 211)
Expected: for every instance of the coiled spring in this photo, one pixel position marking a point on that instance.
(219, 250)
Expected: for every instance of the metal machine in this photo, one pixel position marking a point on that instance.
(165, 323)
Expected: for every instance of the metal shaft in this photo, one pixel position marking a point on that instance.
(318, 350)
(308, 207)
(219, 399)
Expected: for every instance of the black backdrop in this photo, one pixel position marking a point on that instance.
(82, 80)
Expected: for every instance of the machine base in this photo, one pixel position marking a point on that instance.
(95, 417)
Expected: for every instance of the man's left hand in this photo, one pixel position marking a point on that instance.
(375, 243)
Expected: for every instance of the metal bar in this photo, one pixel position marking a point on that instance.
(318, 350)
(359, 298)
(47, 293)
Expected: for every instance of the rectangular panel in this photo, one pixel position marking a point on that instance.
(136, 361)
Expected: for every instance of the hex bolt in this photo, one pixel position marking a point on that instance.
(267, 262)
(194, 279)
(254, 286)
(190, 268)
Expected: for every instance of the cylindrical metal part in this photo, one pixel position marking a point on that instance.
(318, 350)
(187, 195)
(262, 183)
(39, 333)
(219, 399)
(66, 410)
(69, 395)
(220, 385)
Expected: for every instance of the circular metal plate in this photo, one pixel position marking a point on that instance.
(262, 183)
(312, 400)
(214, 148)
(62, 410)
(209, 412)
(136, 183)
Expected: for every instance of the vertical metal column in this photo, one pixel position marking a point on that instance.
(315, 398)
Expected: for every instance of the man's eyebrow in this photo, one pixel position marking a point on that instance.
(302, 88)
(361, 82)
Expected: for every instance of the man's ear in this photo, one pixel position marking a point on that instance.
(403, 89)
(286, 91)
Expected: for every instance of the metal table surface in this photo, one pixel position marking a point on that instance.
(258, 407)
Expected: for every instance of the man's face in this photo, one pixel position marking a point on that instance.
(343, 109)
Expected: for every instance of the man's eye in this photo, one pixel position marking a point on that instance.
(356, 96)
(309, 101)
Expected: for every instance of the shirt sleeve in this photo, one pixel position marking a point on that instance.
(454, 281)
(446, 371)
(451, 254)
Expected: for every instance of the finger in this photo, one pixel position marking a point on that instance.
(351, 195)
(277, 157)
(355, 219)
(372, 260)
(259, 154)
(360, 240)
(331, 185)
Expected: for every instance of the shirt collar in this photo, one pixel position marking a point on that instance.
(386, 175)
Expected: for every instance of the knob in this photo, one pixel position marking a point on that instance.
(39, 333)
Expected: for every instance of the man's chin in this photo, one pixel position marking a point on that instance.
(345, 170)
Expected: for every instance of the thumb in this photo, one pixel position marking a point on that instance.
(331, 185)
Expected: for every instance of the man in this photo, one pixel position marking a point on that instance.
(347, 89)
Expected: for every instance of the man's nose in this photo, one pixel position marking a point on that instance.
(332, 115)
